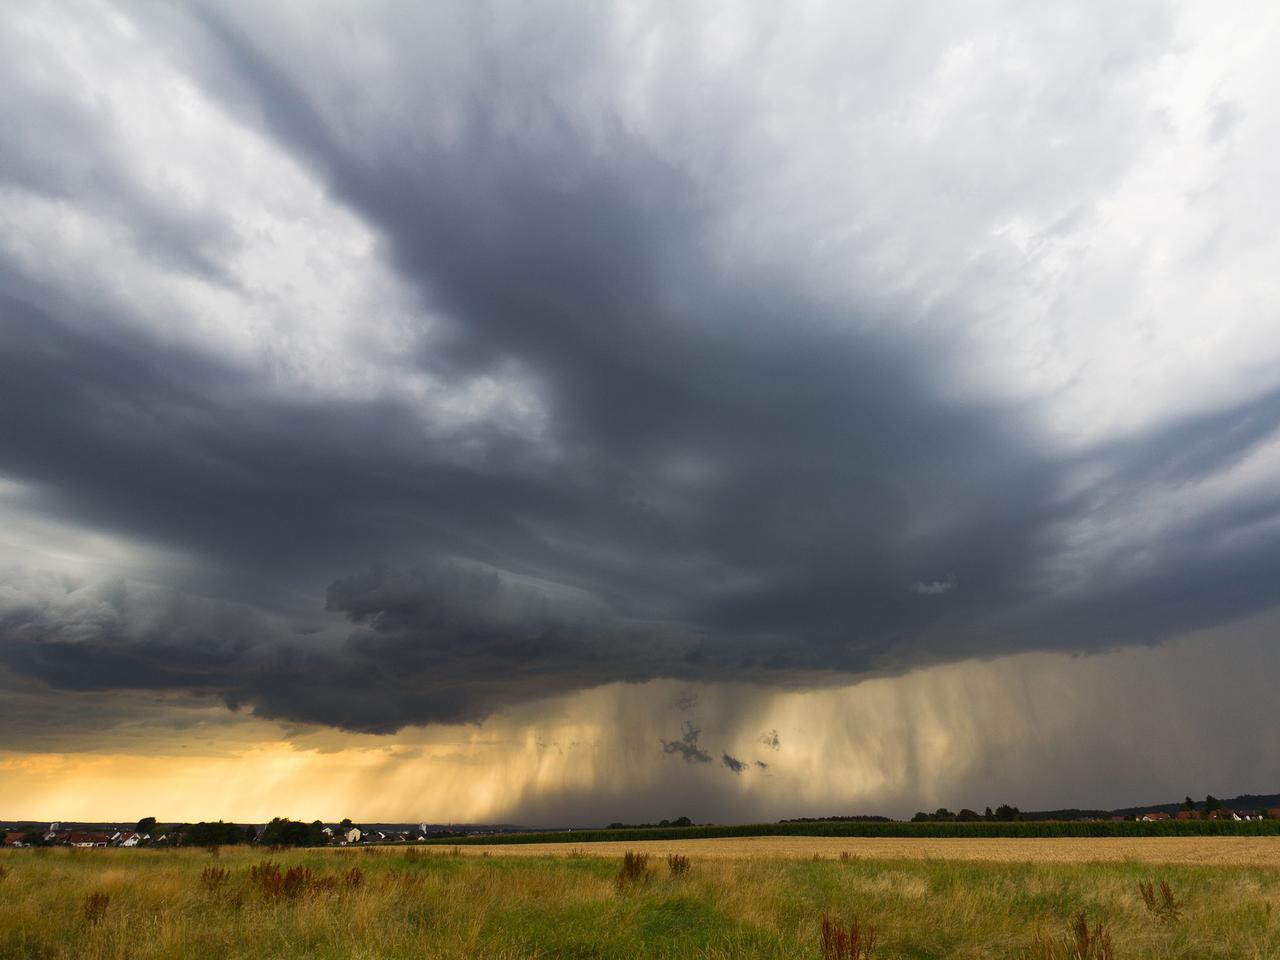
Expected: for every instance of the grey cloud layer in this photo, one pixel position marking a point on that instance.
(741, 478)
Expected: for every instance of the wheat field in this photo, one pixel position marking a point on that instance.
(732, 900)
(1235, 851)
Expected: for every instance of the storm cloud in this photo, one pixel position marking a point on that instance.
(471, 356)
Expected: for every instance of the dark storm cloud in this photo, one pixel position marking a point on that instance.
(733, 763)
(740, 479)
(687, 746)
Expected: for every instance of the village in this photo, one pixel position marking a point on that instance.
(145, 834)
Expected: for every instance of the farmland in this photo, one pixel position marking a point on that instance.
(977, 898)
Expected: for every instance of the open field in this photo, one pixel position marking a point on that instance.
(527, 902)
(1234, 851)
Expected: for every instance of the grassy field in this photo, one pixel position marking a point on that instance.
(432, 903)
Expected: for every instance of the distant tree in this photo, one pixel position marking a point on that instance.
(988, 815)
(967, 816)
(1188, 804)
(146, 825)
(1212, 803)
(282, 831)
(34, 837)
(250, 834)
(941, 815)
(682, 822)
(345, 825)
(1005, 812)
(212, 834)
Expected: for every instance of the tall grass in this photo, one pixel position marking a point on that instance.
(1161, 903)
(1080, 942)
(290, 905)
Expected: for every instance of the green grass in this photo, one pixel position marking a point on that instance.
(436, 905)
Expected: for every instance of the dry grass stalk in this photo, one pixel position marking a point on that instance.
(1081, 942)
(214, 878)
(1160, 903)
(635, 868)
(276, 884)
(678, 864)
(855, 943)
(94, 908)
(4, 871)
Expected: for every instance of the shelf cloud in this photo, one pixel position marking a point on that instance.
(469, 357)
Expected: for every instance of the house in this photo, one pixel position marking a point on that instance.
(1273, 813)
(1188, 815)
(1154, 816)
(83, 838)
(130, 838)
(13, 838)
(353, 835)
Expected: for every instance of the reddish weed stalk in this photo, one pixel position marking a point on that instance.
(855, 943)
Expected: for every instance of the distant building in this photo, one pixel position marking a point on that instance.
(353, 835)
(81, 838)
(1153, 816)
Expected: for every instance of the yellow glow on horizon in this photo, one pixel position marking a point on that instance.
(967, 733)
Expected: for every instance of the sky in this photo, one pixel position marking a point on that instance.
(562, 413)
